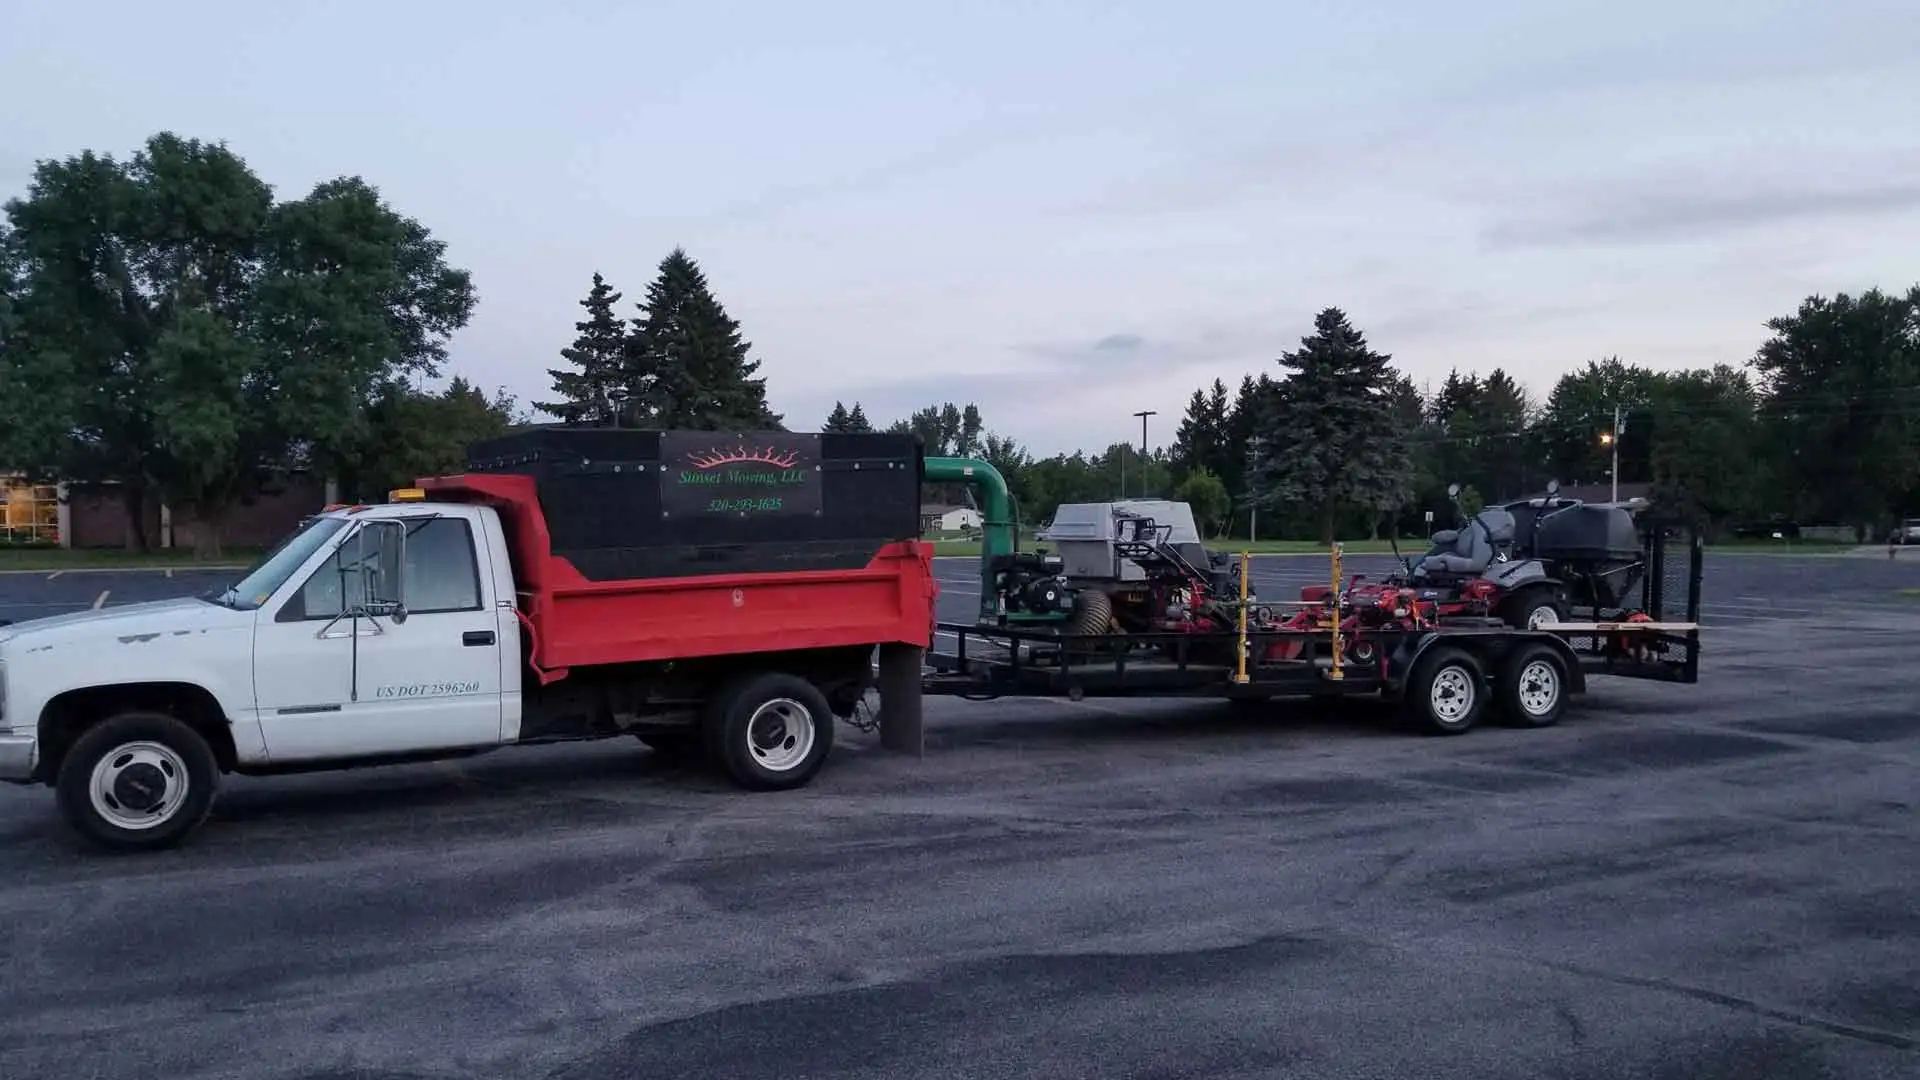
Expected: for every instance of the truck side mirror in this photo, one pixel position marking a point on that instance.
(380, 561)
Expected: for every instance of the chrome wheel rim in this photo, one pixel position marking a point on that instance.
(1539, 689)
(780, 734)
(1451, 697)
(138, 785)
(1542, 616)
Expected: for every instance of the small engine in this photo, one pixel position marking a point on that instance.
(1031, 586)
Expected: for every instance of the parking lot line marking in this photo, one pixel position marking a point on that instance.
(55, 574)
(169, 573)
(101, 600)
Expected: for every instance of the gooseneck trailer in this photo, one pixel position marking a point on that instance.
(722, 596)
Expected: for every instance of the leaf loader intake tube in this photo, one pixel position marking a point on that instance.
(996, 508)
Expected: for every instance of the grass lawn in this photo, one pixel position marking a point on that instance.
(50, 559)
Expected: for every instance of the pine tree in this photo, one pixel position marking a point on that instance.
(1200, 445)
(842, 419)
(1243, 427)
(1331, 444)
(592, 392)
(688, 355)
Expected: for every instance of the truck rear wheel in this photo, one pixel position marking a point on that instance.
(140, 781)
(770, 732)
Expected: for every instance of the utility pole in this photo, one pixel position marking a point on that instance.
(1257, 444)
(1143, 455)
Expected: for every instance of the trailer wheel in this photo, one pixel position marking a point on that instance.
(1532, 686)
(140, 781)
(770, 732)
(1448, 691)
(1536, 608)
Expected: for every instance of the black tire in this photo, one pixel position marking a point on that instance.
(1533, 604)
(152, 754)
(1092, 613)
(1532, 686)
(769, 732)
(1447, 693)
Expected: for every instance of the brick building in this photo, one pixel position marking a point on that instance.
(80, 515)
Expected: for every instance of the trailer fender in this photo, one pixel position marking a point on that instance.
(1489, 648)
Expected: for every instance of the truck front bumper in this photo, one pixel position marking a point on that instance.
(19, 755)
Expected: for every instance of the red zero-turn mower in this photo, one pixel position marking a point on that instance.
(1528, 563)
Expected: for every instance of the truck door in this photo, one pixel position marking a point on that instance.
(423, 680)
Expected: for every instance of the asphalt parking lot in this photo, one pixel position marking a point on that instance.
(1686, 882)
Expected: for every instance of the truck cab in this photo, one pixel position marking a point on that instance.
(368, 633)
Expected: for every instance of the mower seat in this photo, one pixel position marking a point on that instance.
(1467, 552)
(1470, 553)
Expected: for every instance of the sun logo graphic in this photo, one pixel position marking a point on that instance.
(717, 457)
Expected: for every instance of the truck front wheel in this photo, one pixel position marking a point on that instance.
(770, 732)
(140, 781)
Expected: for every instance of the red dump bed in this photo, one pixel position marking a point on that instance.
(575, 622)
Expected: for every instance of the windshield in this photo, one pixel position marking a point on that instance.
(277, 565)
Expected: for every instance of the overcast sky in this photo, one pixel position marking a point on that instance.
(1065, 211)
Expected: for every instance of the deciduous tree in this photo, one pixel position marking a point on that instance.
(414, 432)
(182, 335)
(1704, 456)
(1207, 497)
(1842, 411)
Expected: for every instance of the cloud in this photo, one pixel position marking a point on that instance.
(1657, 217)
(1123, 351)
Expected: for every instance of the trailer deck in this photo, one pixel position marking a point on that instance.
(1657, 640)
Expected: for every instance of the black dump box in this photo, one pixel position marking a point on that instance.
(622, 503)
(1584, 532)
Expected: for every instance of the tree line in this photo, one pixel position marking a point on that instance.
(170, 326)
(1820, 425)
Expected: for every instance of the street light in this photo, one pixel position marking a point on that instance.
(1143, 455)
(1612, 439)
